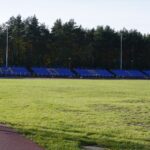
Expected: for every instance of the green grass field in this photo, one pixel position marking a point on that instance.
(68, 114)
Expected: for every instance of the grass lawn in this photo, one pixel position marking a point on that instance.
(67, 114)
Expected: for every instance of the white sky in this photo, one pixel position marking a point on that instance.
(131, 14)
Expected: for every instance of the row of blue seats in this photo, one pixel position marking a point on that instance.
(131, 73)
(14, 71)
(113, 73)
(93, 73)
(53, 72)
(78, 72)
(56, 72)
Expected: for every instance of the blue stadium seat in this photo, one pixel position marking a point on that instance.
(60, 72)
(53, 72)
(104, 73)
(20, 71)
(121, 73)
(86, 72)
(7, 71)
(14, 71)
(65, 72)
(135, 74)
(93, 73)
(40, 71)
(147, 72)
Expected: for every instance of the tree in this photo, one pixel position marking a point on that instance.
(33, 44)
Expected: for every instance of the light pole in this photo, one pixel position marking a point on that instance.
(121, 37)
(6, 46)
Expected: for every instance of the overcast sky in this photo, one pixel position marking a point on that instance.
(131, 14)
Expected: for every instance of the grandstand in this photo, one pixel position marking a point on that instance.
(86, 73)
(147, 73)
(61, 72)
(52, 72)
(96, 73)
(40, 72)
(135, 74)
(120, 73)
(104, 73)
(74, 73)
(14, 72)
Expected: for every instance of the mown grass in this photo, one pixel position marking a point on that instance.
(67, 114)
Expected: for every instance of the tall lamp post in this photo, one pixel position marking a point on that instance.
(7, 46)
(121, 37)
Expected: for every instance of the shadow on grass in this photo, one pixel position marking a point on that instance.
(45, 136)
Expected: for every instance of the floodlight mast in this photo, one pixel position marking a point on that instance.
(6, 46)
(121, 37)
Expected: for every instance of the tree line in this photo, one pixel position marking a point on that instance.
(70, 45)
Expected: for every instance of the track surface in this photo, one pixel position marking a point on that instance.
(11, 140)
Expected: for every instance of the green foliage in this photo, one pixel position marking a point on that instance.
(67, 114)
(33, 44)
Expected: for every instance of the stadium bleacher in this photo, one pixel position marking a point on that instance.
(147, 73)
(135, 74)
(20, 71)
(60, 72)
(6, 71)
(128, 73)
(64, 72)
(52, 72)
(121, 73)
(77, 72)
(14, 71)
(41, 72)
(104, 73)
(85, 73)
(93, 73)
